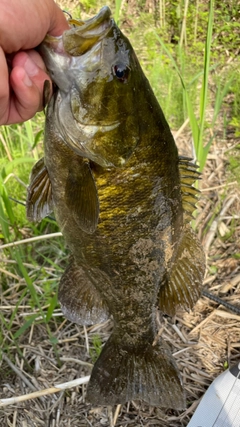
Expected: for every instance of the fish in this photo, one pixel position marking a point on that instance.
(123, 199)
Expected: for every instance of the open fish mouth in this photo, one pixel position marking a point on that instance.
(85, 34)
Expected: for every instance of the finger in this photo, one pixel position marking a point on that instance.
(58, 21)
(24, 24)
(4, 88)
(20, 59)
(27, 80)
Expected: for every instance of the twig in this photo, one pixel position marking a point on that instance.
(118, 408)
(158, 336)
(31, 239)
(18, 372)
(7, 273)
(6, 148)
(204, 190)
(180, 130)
(177, 330)
(45, 392)
(80, 362)
(110, 416)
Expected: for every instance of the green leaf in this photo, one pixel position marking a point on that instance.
(51, 308)
(25, 326)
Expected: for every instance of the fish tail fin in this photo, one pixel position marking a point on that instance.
(124, 373)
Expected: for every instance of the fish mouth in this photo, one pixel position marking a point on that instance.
(85, 34)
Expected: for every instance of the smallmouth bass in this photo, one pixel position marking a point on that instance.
(123, 199)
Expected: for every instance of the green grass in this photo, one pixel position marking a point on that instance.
(197, 116)
(96, 348)
(28, 263)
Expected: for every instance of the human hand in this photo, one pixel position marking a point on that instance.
(24, 25)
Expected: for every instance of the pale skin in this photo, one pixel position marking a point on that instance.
(24, 25)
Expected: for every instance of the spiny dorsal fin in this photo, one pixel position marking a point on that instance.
(39, 197)
(188, 176)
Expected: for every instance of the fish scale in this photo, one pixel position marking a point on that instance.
(123, 199)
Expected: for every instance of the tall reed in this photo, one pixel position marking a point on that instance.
(197, 119)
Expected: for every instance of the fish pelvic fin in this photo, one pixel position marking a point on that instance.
(39, 202)
(80, 301)
(182, 283)
(147, 373)
(188, 176)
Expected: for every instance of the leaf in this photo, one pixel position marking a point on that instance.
(51, 308)
(25, 326)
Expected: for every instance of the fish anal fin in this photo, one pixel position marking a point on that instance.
(81, 195)
(80, 301)
(39, 202)
(182, 284)
(124, 373)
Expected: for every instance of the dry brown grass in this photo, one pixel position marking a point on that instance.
(202, 341)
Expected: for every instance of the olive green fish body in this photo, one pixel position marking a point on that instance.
(139, 221)
(122, 198)
(124, 259)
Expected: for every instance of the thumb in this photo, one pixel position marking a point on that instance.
(27, 81)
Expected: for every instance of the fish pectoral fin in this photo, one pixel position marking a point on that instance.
(82, 197)
(79, 299)
(181, 286)
(39, 202)
(123, 373)
(188, 176)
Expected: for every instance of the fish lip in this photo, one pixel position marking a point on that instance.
(93, 23)
(95, 28)
(83, 35)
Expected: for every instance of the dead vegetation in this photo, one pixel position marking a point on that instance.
(203, 341)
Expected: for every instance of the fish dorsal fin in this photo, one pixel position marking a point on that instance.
(39, 197)
(79, 299)
(188, 176)
(181, 286)
(81, 195)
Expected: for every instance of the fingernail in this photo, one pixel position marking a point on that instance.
(31, 68)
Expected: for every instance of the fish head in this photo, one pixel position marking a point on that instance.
(98, 78)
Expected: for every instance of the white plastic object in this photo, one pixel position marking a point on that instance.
(220, 405)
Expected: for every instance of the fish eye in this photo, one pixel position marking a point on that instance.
(121, 71)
